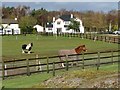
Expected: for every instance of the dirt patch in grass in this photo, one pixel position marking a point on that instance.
(83, 79)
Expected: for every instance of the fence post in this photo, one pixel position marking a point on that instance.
(101, 38)
(53, 68)
(90, 36)
(109, 39)
(82, 36)
(112, 57)
(37, 62)
(86, 36)
(114, 40)
(47, 64)
(79, 35)
(28, 68)
(3, 69)
(105, 38)
(83, 60)
(98, 61)
(67, 63)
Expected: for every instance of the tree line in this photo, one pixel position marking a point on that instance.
(92, 21)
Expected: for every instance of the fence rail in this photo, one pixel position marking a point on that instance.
(95, 37)
(45, 64)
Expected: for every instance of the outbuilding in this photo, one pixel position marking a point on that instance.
(39, 28)
(9, 26)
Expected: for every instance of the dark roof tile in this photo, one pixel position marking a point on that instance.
(66, 17)
(49, 25)
(9, 21)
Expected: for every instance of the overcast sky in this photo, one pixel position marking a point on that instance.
(78, 6)
(60, 0)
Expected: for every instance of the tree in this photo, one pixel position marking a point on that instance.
(74, 25)
(41, 16)
(115, 27)
(26, 24)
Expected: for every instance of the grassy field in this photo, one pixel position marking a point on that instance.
(48, 45)
(36, 79)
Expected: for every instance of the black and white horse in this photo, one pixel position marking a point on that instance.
(27, 47)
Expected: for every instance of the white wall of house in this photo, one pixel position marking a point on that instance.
(49, 29)
(17, 31)
(60, 26)
(4, 25)
(81, 27)
(7, 31)
(14, 26)
(10, 29)
(39, 28)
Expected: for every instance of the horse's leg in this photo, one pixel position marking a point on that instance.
(77, 57)
(23, 51)
(62, 64)
(29, 50)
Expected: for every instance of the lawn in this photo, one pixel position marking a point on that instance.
(36, 79)
(48, 45)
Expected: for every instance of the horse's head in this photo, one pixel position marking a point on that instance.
(80, 48)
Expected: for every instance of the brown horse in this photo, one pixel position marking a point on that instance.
(77, 50)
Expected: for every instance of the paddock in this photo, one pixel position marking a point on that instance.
(46, 47)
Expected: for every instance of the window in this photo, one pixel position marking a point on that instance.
(66, 23)
(67, 29)
(58, 22)
(49, 28)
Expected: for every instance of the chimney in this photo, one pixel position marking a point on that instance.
(15, 19)
(53, 19)
(71, 15)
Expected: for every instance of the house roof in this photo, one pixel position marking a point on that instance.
(49, 25)
(66, 17)
(37, 26)
(9, 21)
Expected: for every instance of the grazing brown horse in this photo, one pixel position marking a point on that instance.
(77, 50)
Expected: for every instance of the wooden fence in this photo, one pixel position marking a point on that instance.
(52, 63)
(95, 37)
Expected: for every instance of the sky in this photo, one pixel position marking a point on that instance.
(60, 0)
(77, 6)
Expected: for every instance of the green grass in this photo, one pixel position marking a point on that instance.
(25, 81)
(48, 45)
(44, 46)
(35, 79)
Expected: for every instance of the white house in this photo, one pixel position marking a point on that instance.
(9, 26)
(49, 28)
(39, 28)
(60, 25)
